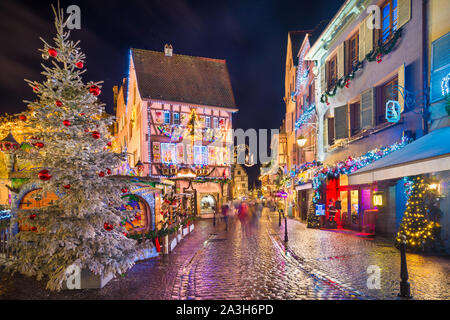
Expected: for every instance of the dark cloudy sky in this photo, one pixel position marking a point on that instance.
(250, 35)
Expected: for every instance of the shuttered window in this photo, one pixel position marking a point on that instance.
(440, 67)
(352, 53)
(367, 108)
(331, 136)
(341, 122)
(323, 80)
(332, 72)
(340, 61)
(389, 19)
(365, 44)
(404, 12)
(355, 121)
(325, 131)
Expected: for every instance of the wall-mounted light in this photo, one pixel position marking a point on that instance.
(301, 141)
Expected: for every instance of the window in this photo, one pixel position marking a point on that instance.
(176, 118)
(131, 128)
(167, 117)
(200, 155)
(168, 153)
(353, 52)
(355, 113)
(389, 91)
(389, 17)
(330, 131)
(239, 173)
(207, 122)
(216, 122)
(332, 72)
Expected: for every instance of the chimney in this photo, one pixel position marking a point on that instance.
(168, 50)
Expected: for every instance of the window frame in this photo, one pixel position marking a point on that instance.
(176, 118)
(380, 112)
(352, 61)
(331, 81)
(393, 24)
(164, 117)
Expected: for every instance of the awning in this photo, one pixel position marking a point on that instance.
(430, 153)
(304, 186)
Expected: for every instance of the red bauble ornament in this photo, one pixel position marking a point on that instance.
(33, 229)
(39, 144)
(124, 190)
(58, 103)
(52, 52)
(79, 64)
(157, 245)
(82, 114)
(44, 175)
(95, 134)
(379, 58)
(109, 144)
(36, 88)
(101, 174)
(23, 118)
(86, 130)
(94, 90)
(67, 186)
(32, 216)
(108, 227)
(66, 123)
(108, 171)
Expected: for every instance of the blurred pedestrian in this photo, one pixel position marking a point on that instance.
(225, 213)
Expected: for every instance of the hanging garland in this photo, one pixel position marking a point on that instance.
(351, 165)
(375, 54)
(306, 116)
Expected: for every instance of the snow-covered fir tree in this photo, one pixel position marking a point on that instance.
(74, 159)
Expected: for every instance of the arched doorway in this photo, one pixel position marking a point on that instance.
(208, 204)
(142, 220)
(35, 199)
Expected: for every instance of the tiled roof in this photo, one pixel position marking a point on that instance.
(182, 78)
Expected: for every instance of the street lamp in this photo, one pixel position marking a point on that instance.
(301, 141)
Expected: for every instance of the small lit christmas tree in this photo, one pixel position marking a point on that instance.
(83, 227)
(313, 221)
(419, 231)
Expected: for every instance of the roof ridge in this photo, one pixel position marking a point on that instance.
(184, 55)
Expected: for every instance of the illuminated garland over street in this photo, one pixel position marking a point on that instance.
(351, 165)
(306, 116)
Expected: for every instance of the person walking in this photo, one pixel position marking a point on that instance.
(225, 213)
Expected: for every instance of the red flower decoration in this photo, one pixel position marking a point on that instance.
(101, 174)
(124, 190)
(95, 134)
(379, 58)
(58, 103)
(33, 229)
(44, 175)
(67, 186)
(39, 144)
(82, 114)
(23, 118)
(108, 171)
(108, 227)
(52, 52)
(94, 90)
(86, 130)
(79, 64)
(32, 216)
(66, 123)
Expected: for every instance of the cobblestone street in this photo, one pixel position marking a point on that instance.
(212, 263)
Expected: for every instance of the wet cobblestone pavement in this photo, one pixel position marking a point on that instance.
(212, 263)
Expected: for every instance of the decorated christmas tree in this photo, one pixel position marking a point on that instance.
(72, 158)
(415, 225)
(313, 221)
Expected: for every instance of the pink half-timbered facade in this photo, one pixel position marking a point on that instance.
(174, 116)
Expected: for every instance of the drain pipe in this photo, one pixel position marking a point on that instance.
(426, 94)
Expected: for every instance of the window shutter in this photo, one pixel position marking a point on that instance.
(404, 12)
(367, 108)
(323, 80)
(401, 87)
(340, 61)
(341, 122)
(365, 38)
(361, 44)
(325, 132)
(440, 66)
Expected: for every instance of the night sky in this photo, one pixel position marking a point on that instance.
(250, 35)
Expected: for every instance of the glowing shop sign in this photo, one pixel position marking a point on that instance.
(378, 199)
